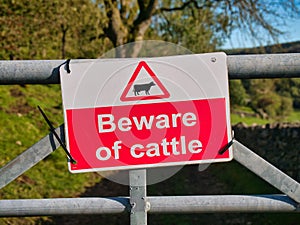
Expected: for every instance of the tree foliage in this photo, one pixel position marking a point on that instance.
(49, 29)
(194, 23)
(269, 98)
(86, 28)
(238, 94)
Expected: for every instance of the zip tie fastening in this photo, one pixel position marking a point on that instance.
(52, 130)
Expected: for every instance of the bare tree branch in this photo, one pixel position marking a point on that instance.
(115, 31)
(141, 24)
(192, 3)
(124, 9)
(146, 11)
(178, 8)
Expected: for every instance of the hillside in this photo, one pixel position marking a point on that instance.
(290, 47)
(267, 99)
(21, 125)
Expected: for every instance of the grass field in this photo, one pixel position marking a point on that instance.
(294, 117)
(21, 125)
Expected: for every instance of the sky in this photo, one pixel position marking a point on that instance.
(292, 33)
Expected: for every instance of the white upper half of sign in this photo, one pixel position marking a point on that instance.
(101, 82)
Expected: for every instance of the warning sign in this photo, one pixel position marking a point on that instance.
(133, 113)
(140, 90)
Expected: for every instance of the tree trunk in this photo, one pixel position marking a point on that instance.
(63, 41)
(121, 31)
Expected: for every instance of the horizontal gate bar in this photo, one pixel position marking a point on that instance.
(62, 206)
(222, 203)
(167, 204)
(263, 66)
(239, 67)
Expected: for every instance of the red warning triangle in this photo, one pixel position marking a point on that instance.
(142, 91)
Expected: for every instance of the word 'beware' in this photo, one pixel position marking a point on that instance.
(106, 122)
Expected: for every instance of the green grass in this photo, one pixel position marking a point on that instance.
(294, 117)
(21, 125)
(248, 120)
(242, 181)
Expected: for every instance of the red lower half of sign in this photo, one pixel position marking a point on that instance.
(148, 135)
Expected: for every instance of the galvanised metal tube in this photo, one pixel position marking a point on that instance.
(266, 171)
(30, 71)
(239, 67)
(138, 195)
(159, 204)
(30, 157)
(222, 204)
(264, 66)
(62, 206)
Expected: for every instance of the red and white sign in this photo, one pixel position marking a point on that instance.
(150, 112)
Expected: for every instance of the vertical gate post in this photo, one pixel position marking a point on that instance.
(138, 194)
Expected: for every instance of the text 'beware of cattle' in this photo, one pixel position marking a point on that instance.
(146, 113)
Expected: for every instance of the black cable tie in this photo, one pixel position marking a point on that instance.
(52, 130)
(226, 147)
(68, 66)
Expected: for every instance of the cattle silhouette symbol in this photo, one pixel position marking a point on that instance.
(137, 87)
(142, 87)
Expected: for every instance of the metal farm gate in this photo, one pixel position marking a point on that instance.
(138, 204)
